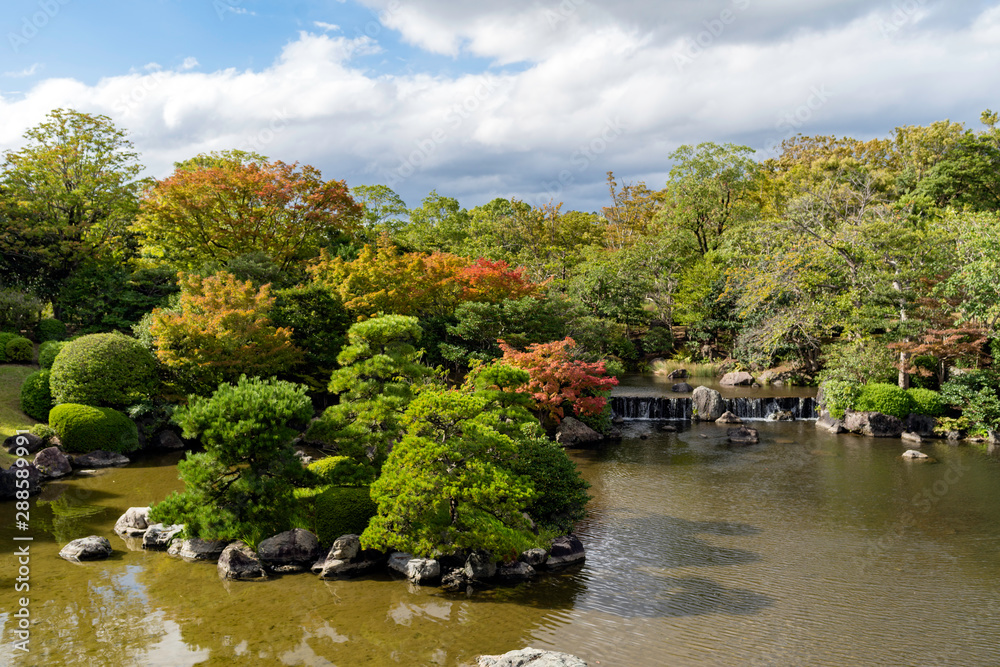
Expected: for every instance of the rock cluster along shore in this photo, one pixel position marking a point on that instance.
(299, 550)
(51, 463)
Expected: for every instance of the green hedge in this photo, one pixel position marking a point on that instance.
(343, 510)
(108, 369)
(19, 350)
(48, 351)
(5, 338)
(83, 428)
(50, 329)
(343, 471)
(36, 398)
(839, 395)
(926, 402)
(885, 398)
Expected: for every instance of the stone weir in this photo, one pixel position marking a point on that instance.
(679, 409)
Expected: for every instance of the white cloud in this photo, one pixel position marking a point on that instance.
(29, 71)
(327, 27)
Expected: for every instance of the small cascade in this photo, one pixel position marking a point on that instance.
(746, 407)
(679, 409)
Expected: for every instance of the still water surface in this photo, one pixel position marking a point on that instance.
(808, 549)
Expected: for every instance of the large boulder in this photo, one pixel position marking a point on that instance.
(291, 551)
(914, 455)
(517, 571)
(133, 523)
(534, 557)
(480, 566)
(169, 440)
(737, 379)
(9, 481)
(743, 435)
(708, 404)
(98, 459)
(922, 425)
(828, 423)
(677, 374)
(239, 562)
(52, 463)
(728, 418)
(781, 416)
(532, 657)
(196, 549)
(874, 424)
(158, 537)
(86, 548)
(417, 570)
(682, 388)
(574, 433)
(346, 558)
(30, 443)
(565, 550)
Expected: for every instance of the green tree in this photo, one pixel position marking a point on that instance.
(438, 224)
(383, 211)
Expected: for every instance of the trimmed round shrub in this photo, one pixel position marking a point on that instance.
(50, 329)
(343, 510)
(885, 398)
(343, 471)
(48, 351)
(84, 428)
(108, 369)
(36, 399)
(5, 338)
(20, 350)
(926, 402)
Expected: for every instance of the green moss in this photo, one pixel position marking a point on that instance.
(885, 398)
(926, 402)
(103, 370)
(48, 351)
(83, 428)
(343, 511)
(50, 329)
(36, 399)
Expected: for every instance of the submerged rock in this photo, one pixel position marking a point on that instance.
(743, 436)
(133, 523)
(240, 563)
(532, 657)
(87, 548)
(98, 459)
(914, 455)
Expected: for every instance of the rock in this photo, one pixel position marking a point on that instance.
(169, 440)
(728, 418)
(922, 425)
(196, 549)
(682, 388)
(158, 537)
(677, 374)
(29, 441)
(736, 379)
(707, 404)
(291, 551)
(912, 437)
(519, 571)
(345, 547)
(743, 436)
(417, 570)
(781, 416)
(532, 657)
(953, 436)
(239, 562)
(86, 548)
(565, 550)
(993, 437)
(828, 423)
(915, 455)
(9, 481)
(133, 523)
(573, 433)
(456, 581)
(98, 459)
(346, 558)
(617, 420)
(874, 424)
(52, 463)
(534, 557)
(668, 428)
(480, 566)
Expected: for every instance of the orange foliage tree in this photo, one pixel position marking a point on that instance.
(221, 330)
(558, 380)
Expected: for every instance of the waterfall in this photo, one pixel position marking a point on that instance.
(651, 407)
(679, 409)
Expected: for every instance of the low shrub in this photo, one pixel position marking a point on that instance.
(48, 351)
(839, 396)
(50, 329)
(36, 398)
(19, 350)
(343, 471)
(108, 369)
(5, 337)
(83, 428)
(343, 511)
(43, 431)
(888, 399)
(926, 402)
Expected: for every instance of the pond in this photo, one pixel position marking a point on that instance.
(808, 549)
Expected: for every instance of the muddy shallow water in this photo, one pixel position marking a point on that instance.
(808, 549)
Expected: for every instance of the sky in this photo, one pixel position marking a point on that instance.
(533, 99)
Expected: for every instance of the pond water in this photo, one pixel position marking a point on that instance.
(808, 549)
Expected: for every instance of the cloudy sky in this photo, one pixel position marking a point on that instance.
(533, 99)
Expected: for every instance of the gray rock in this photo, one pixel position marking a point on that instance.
(912, 437)
(519, 571)
(565, 550)
(196, 549)
(239, 562)
(480, 566)
(874, 424)
(52, 463)
(532, 657)
(291, 551)
(828, 423)
(456, 581)
(86, 548)
(736, 379)
(29, 441)
(133, 523)
(98, 459)
(922, 425)
(345, 547)
(534, 557)
(158, 537)
(9, 480)
(668, 428)
(677, 374)
(728, 418)
(708, 404)
(169, 440)
(743, 436)
(682, 388)
(573, 433)
(781, 416)
(953, 436)
(915, 455)
(346, 558)
(417, 570)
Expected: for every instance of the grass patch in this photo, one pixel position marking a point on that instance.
(667, 366)
(11, 417)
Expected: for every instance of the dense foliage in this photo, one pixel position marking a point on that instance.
(36, 397)
(84, 428)
(19, 350)
(103, 370)
(343, 511)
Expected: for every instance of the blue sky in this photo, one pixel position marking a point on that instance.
(535, 99)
